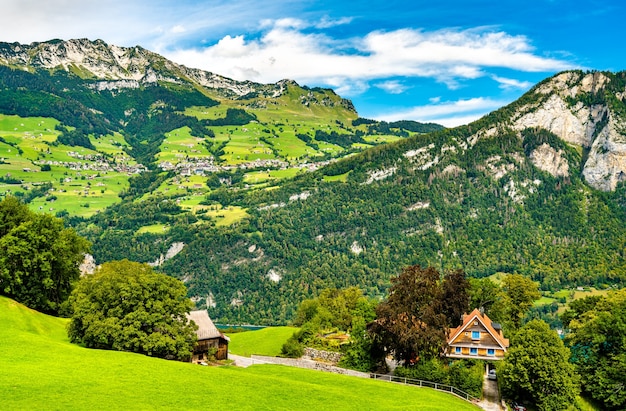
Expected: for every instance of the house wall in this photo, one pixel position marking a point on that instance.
(480, 352)
(199, 352)
(466, 342)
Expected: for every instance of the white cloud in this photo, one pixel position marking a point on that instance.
(178, 29)
(327, 22)
(285, 50)
(509, 83)
(449, 113)
(392, 86)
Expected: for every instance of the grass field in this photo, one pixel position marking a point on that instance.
(267, 341)
(41, 370)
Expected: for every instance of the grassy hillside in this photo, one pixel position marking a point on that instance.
(267, 341)
(42, 370)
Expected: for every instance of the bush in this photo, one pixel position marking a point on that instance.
(466, 375)
(292, 348)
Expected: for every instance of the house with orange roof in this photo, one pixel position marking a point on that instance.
(477, 337)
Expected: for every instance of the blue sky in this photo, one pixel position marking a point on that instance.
(448, 62)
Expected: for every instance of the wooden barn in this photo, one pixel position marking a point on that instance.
(208, 337)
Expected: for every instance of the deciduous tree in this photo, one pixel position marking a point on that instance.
(39, 257)
(520, 294)
(126, 306)
(537, 368)
(411, 322)
(598, 341)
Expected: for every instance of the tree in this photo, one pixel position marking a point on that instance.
(126, 306)
(486, 294)
(456, 298)
(598, 344)
(411, 323)
(537, 368)
(39, 258)
(520, 294)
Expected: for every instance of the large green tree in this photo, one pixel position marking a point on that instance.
(598, 343)
(486, 294)
(39, 257)
(536, 368)
(126, 306)
(520, 293)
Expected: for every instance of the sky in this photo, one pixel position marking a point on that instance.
(448, 62)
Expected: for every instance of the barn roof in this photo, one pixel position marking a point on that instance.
(206, 329)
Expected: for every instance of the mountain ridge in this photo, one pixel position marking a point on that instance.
(126, 67)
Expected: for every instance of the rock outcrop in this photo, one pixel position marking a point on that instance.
(596, 127)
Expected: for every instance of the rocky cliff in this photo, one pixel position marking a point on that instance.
(581, 110)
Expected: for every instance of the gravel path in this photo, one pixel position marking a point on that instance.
(244, 361)
(491, 396)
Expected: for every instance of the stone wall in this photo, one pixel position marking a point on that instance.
(321, 355)
(310, 364)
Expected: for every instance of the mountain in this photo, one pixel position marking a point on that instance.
(503, 194)
(259, 196)
(128, 121)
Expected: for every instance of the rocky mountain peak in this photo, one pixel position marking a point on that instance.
(582, 109)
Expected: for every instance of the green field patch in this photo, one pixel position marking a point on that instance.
(225, 216)
(192, 203)
(180, 146)
(544, 301)
(112, 144)
(497, 277)
(258, 177)
(267, 341)
(291, 147)
(153, 229)
(244, 144)
(332, 149)
(207, 113)
(81, 197)
(380, 139)
(339, 177)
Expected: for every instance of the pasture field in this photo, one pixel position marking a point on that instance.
(179, 145)
(80, 185)
(267, 341)
(42, 370)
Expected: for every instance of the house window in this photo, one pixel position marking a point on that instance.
(473, 351)
(475, 335)
(491, 351)
(457, 350)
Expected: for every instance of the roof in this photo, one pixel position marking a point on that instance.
(206, 329)
(468, 320)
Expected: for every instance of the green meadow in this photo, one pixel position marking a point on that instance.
(42, 370)
(267, 341)
(29, 143)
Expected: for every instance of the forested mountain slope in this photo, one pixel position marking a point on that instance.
(503, 194)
